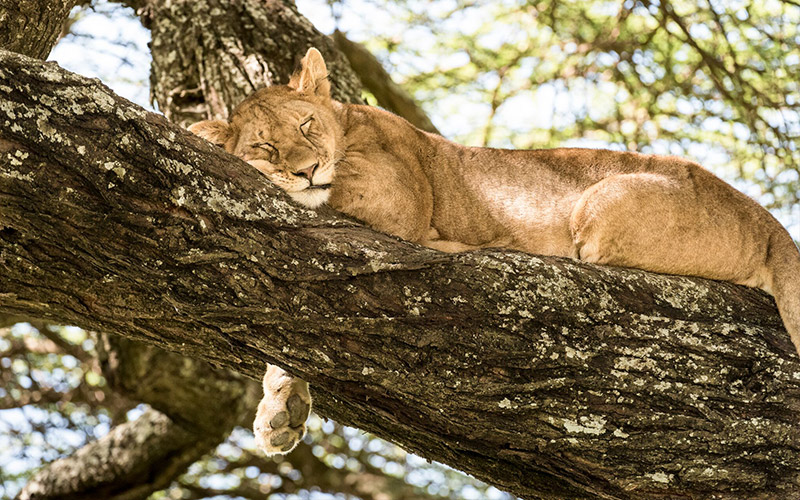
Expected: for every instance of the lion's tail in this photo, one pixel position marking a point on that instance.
(784, 264)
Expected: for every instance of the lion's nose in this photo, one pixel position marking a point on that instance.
(308, 172)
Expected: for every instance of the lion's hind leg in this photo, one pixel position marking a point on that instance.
(670, 225)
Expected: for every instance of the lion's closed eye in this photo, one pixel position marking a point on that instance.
(306, 129)
(273, 155)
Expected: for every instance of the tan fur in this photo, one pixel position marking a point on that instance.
(658, 213)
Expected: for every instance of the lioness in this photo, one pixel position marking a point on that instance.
(659, 213)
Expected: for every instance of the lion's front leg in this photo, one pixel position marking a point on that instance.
(281, 418)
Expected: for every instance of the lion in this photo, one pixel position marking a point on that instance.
(658, 213)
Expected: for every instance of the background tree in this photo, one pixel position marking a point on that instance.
(181, 93)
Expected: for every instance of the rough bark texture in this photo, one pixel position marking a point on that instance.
(182, 388)
(208, 55)
(388, 94)
(31, 27)
(547, 377)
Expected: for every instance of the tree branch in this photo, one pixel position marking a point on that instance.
(370, 483)
(129, 463)
(547, 377)
(138, 458)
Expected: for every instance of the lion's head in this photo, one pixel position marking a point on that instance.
(289, 132)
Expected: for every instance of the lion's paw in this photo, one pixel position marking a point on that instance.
(281, 418)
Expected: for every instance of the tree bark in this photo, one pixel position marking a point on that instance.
(547, 377)
(141, 457)
(32, 27)
(192, 43)
(129, 463)
(181, 388)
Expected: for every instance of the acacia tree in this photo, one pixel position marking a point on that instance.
(546, 377)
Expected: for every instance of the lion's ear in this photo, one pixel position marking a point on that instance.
(312, 77)
(215, 131)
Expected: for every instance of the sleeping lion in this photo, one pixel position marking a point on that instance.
(658, 213)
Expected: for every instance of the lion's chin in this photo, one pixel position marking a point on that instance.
(312, 197)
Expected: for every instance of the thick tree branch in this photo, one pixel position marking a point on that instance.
(187, 390)
(182, 388)
(548, 377)
(138, 458)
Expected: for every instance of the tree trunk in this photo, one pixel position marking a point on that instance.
(208, 55)
(547, 377)
(181, 388)
(32, 27)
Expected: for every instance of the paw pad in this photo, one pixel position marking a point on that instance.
(281, 418)
(298, 410)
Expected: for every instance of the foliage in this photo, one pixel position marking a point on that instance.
(714, 81)
(55, 399)
(52, 401)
